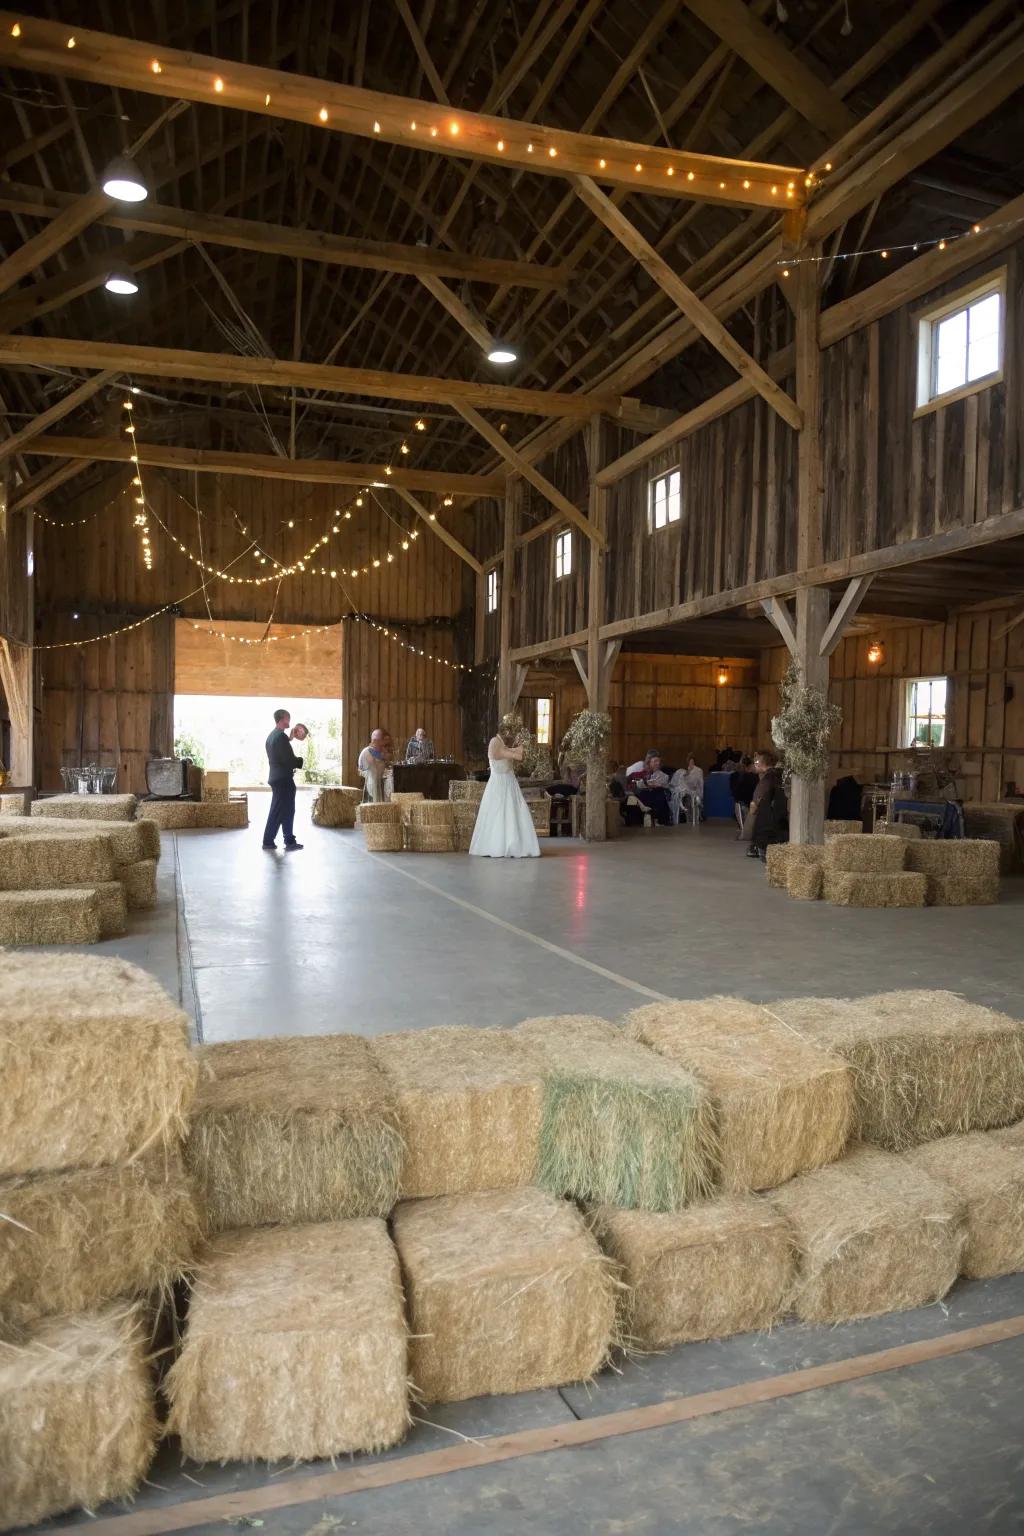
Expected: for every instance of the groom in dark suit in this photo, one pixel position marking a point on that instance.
(283, 764)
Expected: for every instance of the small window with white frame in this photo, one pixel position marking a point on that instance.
(544, 722)
(492, 590)
(960, 342)
(925, 712)
(665, 500)
(563, 553)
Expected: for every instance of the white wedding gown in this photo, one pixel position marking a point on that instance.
(504, 827)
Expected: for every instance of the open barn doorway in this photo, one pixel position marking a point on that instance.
(227, 686)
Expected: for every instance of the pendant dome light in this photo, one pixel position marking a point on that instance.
(121, 279)
(122, 180)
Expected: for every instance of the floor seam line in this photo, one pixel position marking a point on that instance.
(185, 960)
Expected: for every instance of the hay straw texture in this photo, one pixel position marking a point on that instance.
(50, 917)
(181, 815)
(865, 890)
(87, 807)
(139, 881)
(295, 1346)
(987, 1173)
(925, 1064)
(77, 1423)
(908, 830)
(129, 840)
(782, 858)
(961, 890)
(171, 815)
(428, 813)
(113, 909)
(52, 862)
(781, 1104)
(12, 805)
(73, 1240)
(539, 808)
(214, 794)
(336, 807)
(466, 812)
(843, 828)
(874, 1234)
(233, 814)
(963, 856)
(850, 853)
(379, 813)
(466, 789)
(405, 797)
(94, 1062)
(621, 1125)
(381, 822)
(470, 1103)
(293, 1130)
(726, 1266)
(506, 1293)
(805, 882)
(150, 846)
(431, 825)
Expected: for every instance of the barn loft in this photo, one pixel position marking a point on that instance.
(511, 765)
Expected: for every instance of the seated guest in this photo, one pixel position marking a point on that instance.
(687, 786)
(741, 786)
(768, 818)
(651, 788)
(570, 779)
(420, 748)
(618, 781)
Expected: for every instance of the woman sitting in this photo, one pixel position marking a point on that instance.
(686, 786)
(650, 784)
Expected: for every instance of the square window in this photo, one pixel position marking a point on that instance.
(492, 591)
(961, 343)
(665, 500)
(544, 722)
(925, 712)
(563, 554)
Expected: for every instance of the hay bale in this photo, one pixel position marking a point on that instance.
(13, 805)
(295, 1346)
(336, 807)
(925, 1064)
(621, 1125)
(725, 1266)
(782, 1105)
(382, 826)
(471, 790)
(856, 854)
(51, 863)
(873, 1234)
(782, 858)
(212, 795)
(867, 890)
(986, 1172)
(76, 1239)
(843, 828)
(470, 1103)
(431, 825)
(805, 882)
(139, 881)
(77, 1420)
(466, 812)
(233, 814)
(170, 815)
(506, 1293)
(975, 856)
(113, 906)
(961, 890)
(428, 813)
(94, 1062)
(908, 830)
(129, 840)
(405, 797)
(87, 807)
(293, 1130)
(50, 917)
(150, 846)
(539, 807)
(216, 785)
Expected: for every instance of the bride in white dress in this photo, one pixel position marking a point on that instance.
(504, 827)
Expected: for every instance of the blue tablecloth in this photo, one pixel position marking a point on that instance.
(718, 803)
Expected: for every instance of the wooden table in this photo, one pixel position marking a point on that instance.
(430, 779)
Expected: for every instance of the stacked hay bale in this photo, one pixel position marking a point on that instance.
(382, 826)
(843, 828)
(183, 815)
(135, 846)
(100, 1220)
(336, 807)
(797, 868)
(13, 804)
(869, 872)
(216, 787)
(905, 829)
(985, 1170)
(87, 807)
(957, 873)
(59, 890)
(405, 797)
(465, 795)
(539, 806)
(430, 825)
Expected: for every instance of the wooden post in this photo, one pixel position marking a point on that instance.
(505, 668)
(808, 394)
(599, 662)
(807, 797)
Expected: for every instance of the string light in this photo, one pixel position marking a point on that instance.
(501, 144)
(322, 114)
(71, 42)
(218, 85)
(16, 29)
(885, 252)
(552, 151)
(156, 67)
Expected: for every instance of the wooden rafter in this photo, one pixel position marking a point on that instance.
(32, 492)
(430, 518)
(459, 311)
(125, 63)
(61, 408)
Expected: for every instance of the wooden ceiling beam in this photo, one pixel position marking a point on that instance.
(124, 63)
(31, 492)
(176, 363)
(460, 312)
(266, 466)
(430, 518)
(61, 408)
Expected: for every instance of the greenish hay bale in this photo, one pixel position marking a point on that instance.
(76, 1239)
(908, 830)
(293, 1130)
(987, 1175)
(295, 1346)
(470, 1103)
(506, 1292)
(867, 890)
(955, 856)
(94, 1062)
(129, 840)
(87, 807)
(873, 1234)
(843, 828)
(50, 917)
(782, 1105)
(621, 1125)
(336, 807)
(961, 890)
(857, 854)
(722, 1267)
(805, 882)
(471, 790)
(77, 1419)
(12, 805)
(925, 1064)
(782, 858)
(53, 862)
(139, 881)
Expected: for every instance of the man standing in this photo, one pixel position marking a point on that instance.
(283, 764)
(373, 765)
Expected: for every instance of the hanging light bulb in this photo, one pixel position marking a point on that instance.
(121, 279)
(123, 181)
(502, 352)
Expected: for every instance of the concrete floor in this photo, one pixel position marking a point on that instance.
(331, 938)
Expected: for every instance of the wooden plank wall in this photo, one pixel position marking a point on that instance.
(94, 568)
(384, 685)
(986, 698)
(206, 663)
